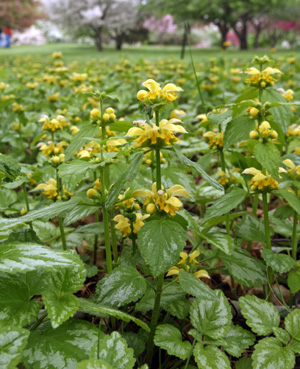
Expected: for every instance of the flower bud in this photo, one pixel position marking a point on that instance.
(262, 84)
(91, 193)
(253, 135)
(110, 111)
(150, 208)
(265, 125)
(23, 211)
(95, 113)
(112, 116)
(273, 134)
(106, 117)
(137, 206)
(55, 159)
(253, 112)
(148, 161)
(141, 95)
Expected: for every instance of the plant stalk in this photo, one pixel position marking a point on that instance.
(295, 236)
(268, 244)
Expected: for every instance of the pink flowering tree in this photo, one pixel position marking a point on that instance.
(161, 26)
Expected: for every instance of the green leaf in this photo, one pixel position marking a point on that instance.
(269, 354)
(238, 130)
(210, 357)
(260, 315)
(245, 269)
(220, 240)
(73, 172)
(136, 341)
(237, 340)
(282, 335)
(249, 93)
(188, 163)
(45, 213)
(93, 364)
(294, 278)
(16, 305)
(282, 116)
(114, 351)
(250, 228)
(62, 347)
(244, 363)
(292, 199)
(26, 235)
(226, 203)
(87, 130)
(294, 345)
(268, 157)
(92, 228)
(124, 180)
(60, 308)
(89, 307)
(283, 212)
(192, 285)
(179, 308)
(173, 175)
(121, 126)
(9, 167)
(292, 324)
(160, 243)
(211, 317)
(123, 285)
(169, 338)
(278, 262)
(12, 343)
(22, 258)
(7, 198)
(80, 211)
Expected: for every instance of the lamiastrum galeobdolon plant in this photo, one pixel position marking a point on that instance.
(155, 247)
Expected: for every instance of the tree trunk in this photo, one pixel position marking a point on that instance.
(258, 30)
(98, 38)
(223, 28)
(242, 35)
(119, 41)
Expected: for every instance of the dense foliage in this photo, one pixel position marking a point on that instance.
(149, 214)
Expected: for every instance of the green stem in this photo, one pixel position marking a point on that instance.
(39, 321)
(155, 316)
(107, 241)
(188, 359)
(26, 202)
(62, 233)
(268, 244)
(223, 165)
(113, 238)
(96, 239)
(134, 246)
(158, 169)
(255, 204)
(295, 236)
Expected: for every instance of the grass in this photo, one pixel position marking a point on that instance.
(84, 53)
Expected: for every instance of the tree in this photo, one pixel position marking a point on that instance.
(20, 14)
(116, 16)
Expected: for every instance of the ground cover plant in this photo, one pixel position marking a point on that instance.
(149, 214)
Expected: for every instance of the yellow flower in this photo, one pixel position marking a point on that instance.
(123, 223)
(288, 95)
(164, 201)
(148, 134)
(51, 124)
(202, 117)
(169, 91)
(262, 79)
(53, 97)
(260, 181)
(3, 86)
(177, 113)
(293, 168)
(167, 94)
(57, 55)
(138, 224)
(216, 139)
(49, 188)
(293, 130)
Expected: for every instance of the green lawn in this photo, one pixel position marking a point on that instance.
(83, 53)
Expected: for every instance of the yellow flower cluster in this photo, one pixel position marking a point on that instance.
(93, 147)
(124, 225)
(108, 117)
(161, 200)
(17, 108)
(51, 148)
(226, 180)
(216, 139)
(294, 170)
(264, 131)
(293, 130)
(149, 134)
(54, 124)
(260, 181)
(50, 190)
(150, 157)
(156, 94)
(263, 78)
(187, 263)
(288, 95)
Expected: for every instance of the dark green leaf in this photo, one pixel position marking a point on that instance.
(192, 285)
(250, 228)
(278, 262)
(238, 130)
(268, 157)
(210, 357)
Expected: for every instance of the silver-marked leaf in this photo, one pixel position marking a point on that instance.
(62, 347)
(221, 241)
(93, 364)
(260, 315)
(16, 306)
(12, 343)
(245, 269)
(237, 340)
(294, 345)
(114, 351)
(169, 338)
(211, 317)
(282, 335)
(89, 307)
(22, 258)
(294, 278)
(123, 285)
(292, 324)
(269, 354)
(191, 284)
(278, 262)
(160, 243)
(244, 363)
(60, 306)
(210, 357)
(226, 203)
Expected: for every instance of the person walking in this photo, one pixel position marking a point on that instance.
(0, 36)
(8, 32)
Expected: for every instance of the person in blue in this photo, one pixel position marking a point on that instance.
(1, 37)
(8, 32)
